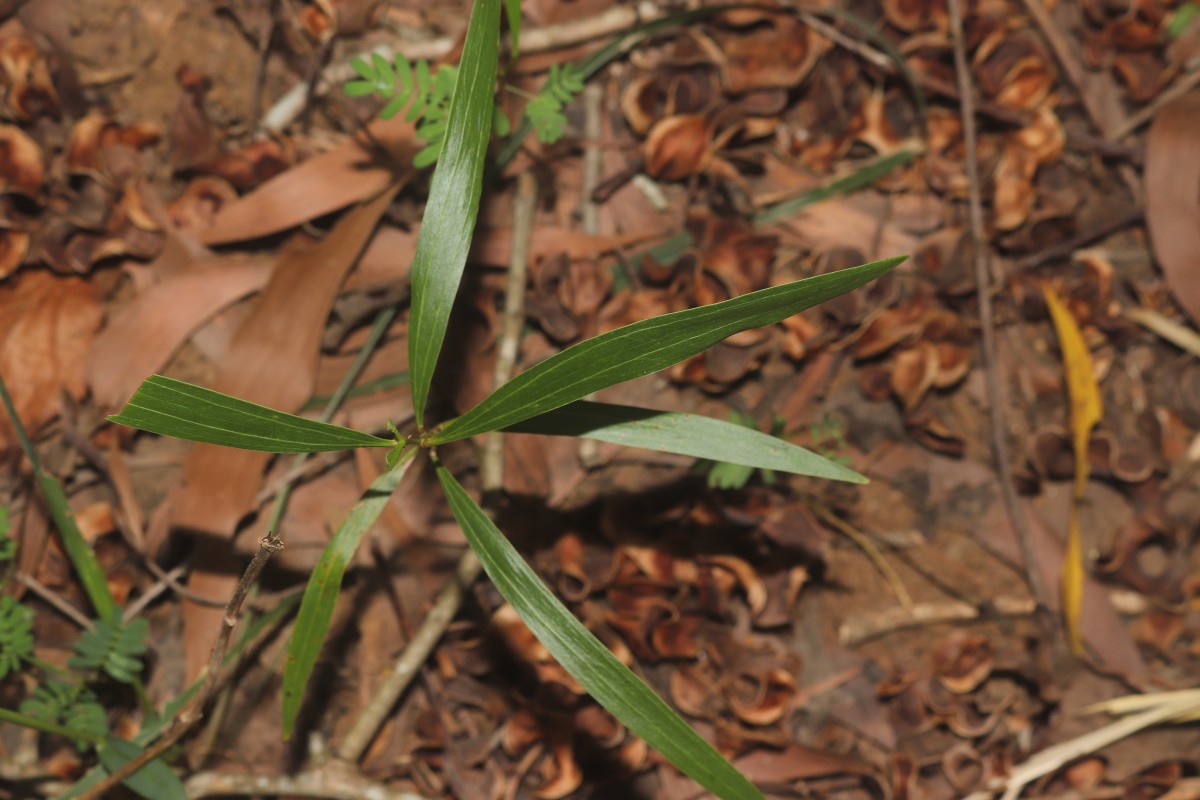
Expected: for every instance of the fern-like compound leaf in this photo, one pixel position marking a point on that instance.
(16, 635)
(114, 647)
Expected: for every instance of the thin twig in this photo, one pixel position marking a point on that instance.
(987, 325)
(449, 599)
(194, 710)
(1053, 758)
(283, 489)
(1168, 95)
(337, 782)
(1065, 249)
(878, 623)
(147, 597)
(58, 602)
(867, 546)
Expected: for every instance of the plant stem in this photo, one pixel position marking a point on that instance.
(445, 607)
(194, 710)
(987, 325)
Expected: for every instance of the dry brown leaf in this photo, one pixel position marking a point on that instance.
(679, 147)
(1086, 411)
(149, 330)
(272, 361)
(21, 167)
(30, 91)
(350, 172)
(46, 328)
(1173, 197)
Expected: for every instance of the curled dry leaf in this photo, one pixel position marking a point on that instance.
(652, 96)
(1039, 143)
(21, 166)
(46, 328)
(561, 774)
(322, 19)
(191, 136)
(914, 370)
(30, 91)
(97, 133)
(1172, 179)
(200, 203)
(962, 661)
(776, 53)
(1013, 69)
(679, 147)
(250, 165)
(917, 15)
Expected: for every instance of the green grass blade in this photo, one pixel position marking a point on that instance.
(91, 574)
(453, 205)
(587, 659)
(51, 728)
(175, 408)
(686, 434)
(321, 593)
(648, 346)
(860, 178)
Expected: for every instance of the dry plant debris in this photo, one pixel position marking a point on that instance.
(152, 220)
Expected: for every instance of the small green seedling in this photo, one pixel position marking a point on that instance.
(547, 398)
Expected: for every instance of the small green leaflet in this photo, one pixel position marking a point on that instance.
(176, 408)
(587, 659)
(686, 434)
(646, 347)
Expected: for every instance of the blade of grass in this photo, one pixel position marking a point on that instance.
(51, 728)
(686, 434)
(859, 178)
(449, 218)
(587, 659)
(646, 347)
(321, 593)
(381, 384)
(91, 574)
(175, 408)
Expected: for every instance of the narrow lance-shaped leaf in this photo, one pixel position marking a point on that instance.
(1086, 410)
(320, 595)
(176, 408)
(861, 177)
(646, 347)
(80, 553)
(454, 191)
(587, 659)
(686, 434)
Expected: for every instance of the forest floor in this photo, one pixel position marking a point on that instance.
(180, 198)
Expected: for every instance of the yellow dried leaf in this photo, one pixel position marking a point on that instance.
(1086, 411)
